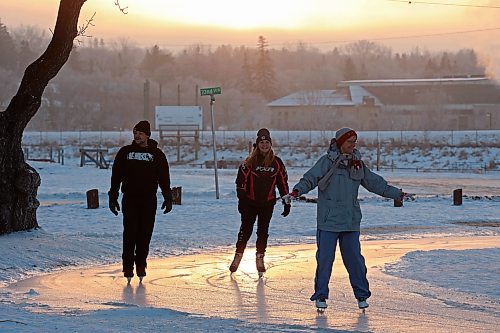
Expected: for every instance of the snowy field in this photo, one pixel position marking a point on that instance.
(72, 236)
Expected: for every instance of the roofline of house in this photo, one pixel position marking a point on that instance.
(389, 82)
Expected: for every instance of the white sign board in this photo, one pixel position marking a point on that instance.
(171, 116)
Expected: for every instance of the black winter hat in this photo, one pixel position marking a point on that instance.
(143, 126)
(263, 134)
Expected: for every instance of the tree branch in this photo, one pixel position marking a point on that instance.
(83, 28)
(122, 9)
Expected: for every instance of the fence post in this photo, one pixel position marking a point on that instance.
(177, 195)
(92, 199)
(378, 153)
(398, 203)
(457, 197)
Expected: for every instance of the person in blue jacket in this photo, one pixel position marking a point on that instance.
(338, 175)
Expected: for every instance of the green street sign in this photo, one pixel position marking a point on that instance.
(210, 91)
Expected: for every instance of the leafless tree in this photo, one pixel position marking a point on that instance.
(19, 182)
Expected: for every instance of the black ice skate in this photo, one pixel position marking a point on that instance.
(259, 262)
(236, 262)
(129, 274)
(141, 272)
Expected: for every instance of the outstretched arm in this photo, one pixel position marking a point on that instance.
(378, 185)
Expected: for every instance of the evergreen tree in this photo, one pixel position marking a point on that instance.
(154, 59)
(247, 81)
(26, 56)
(430, 69)
(264, 71)
(8, 52)
(350, 72)
(75, 61)
(445, 64)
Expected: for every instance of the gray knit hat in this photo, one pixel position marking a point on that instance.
(343, 134)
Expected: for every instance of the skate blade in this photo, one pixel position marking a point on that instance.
(261, 274)
(321, 310)
(128, 280)
(140, 279)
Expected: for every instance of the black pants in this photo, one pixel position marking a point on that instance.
(249, 214)
(139, 214)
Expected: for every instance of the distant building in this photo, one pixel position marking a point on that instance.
(455, 103)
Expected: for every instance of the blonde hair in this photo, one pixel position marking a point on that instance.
(253, 158)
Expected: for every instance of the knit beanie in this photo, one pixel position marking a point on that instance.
(263, 134)
(343, 134)
(143, 126)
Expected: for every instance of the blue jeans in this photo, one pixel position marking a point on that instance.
(354, 262)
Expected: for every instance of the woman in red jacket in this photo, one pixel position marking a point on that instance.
(258, 177)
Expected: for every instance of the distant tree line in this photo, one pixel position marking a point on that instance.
(102, 85)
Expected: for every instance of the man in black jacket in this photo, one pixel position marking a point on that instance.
(139, 168)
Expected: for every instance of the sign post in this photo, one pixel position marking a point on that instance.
(212, 92)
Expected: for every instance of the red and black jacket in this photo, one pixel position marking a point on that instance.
(256, 184)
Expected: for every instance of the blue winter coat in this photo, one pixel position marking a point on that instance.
(338, 206)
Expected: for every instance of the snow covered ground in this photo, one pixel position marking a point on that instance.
(72, 236)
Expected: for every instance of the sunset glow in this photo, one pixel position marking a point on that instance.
(320, 23)
(229, 14)
(282, 14)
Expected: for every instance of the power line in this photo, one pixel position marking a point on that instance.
(414, 36)
(443, 4)
(285, 43)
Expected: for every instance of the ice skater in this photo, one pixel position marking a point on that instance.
(256, 182)
(338, 175)
(139, 168)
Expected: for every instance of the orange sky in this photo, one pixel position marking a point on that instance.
(320, 23)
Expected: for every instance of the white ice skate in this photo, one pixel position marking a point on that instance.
(321, 305)
(362, 304)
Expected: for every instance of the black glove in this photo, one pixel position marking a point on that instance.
(166, 206)
(286, 209)
(114, 206)
(167, 201)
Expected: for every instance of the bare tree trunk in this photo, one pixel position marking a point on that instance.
(19, 181)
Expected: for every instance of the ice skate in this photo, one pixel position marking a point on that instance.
(259, 262)
(236, 262)
(141, 272)
(362, 304)
(129, 274)
(321, 305)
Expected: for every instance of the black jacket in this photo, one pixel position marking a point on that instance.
(140, 170)
(257, 184)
